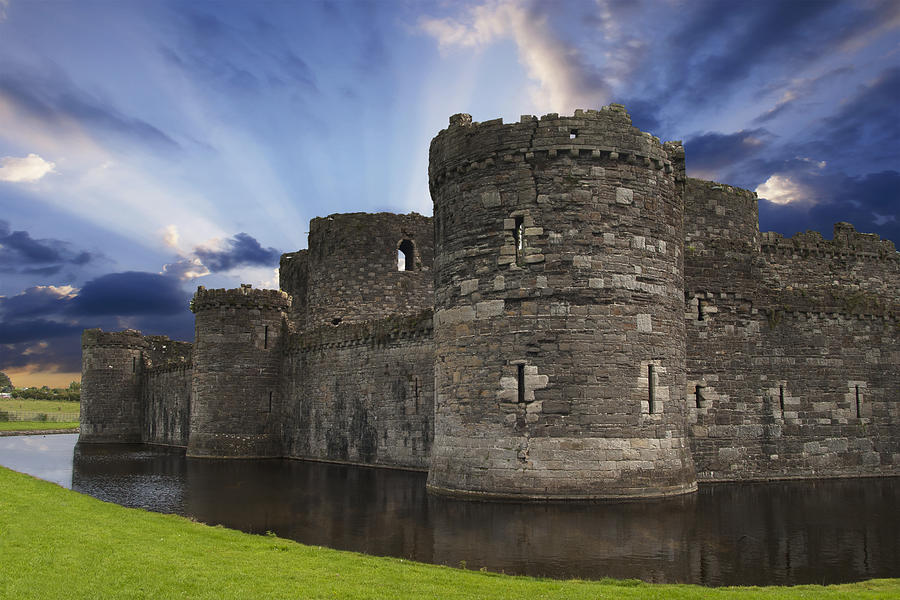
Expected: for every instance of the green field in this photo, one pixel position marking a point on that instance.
(36, 425)
(55, 543)
(44, 406)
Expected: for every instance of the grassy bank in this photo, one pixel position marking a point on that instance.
(36, 425)
(55, 543)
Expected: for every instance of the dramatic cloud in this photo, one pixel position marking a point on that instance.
(130, 293)
(266, 59)
(186, 268)
(240, 250)
(566, 80)
(37, 301)
(707, 153)
(20, 253)
(870, 121)
(27, 169)
(51, 98)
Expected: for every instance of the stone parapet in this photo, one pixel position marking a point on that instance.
(242, 297)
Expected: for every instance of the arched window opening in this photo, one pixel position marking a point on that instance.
(406, 256)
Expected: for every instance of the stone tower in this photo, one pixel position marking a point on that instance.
(352, 271)
(111, 367)
(236, 391)
(559, 309)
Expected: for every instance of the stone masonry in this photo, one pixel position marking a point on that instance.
(578, 320)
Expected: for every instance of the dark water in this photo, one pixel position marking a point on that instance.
(738, 534)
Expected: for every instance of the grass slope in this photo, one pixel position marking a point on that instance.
(55, 543)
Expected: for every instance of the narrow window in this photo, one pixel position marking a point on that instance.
(406, 260)
(270, 401)
(700, 316)
(697, 396)
(266, 337)
(651, 395)
(134, 370)
(520, 379)
(573, 133)
(781, 399)
(857, 402)
(416, 380)
(519, 235)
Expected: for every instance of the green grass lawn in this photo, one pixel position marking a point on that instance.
(44, 406)
(55, 543)
(36, 425)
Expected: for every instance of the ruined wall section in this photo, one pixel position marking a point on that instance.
(166, 391)
(352, 273)
(111, 376)
(293, 278)
(237, 385)
(362, 393)
(559, 330)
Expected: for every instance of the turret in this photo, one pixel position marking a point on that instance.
(111, 367)
(236, 393)
(559, 333)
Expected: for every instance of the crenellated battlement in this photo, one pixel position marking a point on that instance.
(127, 338)
(368, 333)
(599, 134)
(847, 243)
(242, 297)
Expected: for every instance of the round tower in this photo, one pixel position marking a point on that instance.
(111, 367)
(354, 272)
(236, 390)
(559, 310)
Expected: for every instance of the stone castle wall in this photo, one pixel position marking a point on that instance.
(792, 346)
(559, 329)
(363, 393)
(579, 320)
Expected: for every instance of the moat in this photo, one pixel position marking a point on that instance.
(726, 534)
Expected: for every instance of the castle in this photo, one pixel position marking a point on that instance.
(578, 320)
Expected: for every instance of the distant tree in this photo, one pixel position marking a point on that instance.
(5, 383)
(75, 386)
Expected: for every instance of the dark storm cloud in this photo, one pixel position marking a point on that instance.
(128, 294)
(709, 152)
(35, 329)
(41, 326)
(33, 302)
(242, 250)
(21, 253)
(870, 119)
(53, 98)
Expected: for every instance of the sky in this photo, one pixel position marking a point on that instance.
(148, 147)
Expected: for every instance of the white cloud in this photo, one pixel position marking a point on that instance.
(24, 170)
(564, 82)
(62, 291)
(170, 236)
(186, 268)
(781, 189)
(4, 4)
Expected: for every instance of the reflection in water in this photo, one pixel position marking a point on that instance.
(774, 533)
